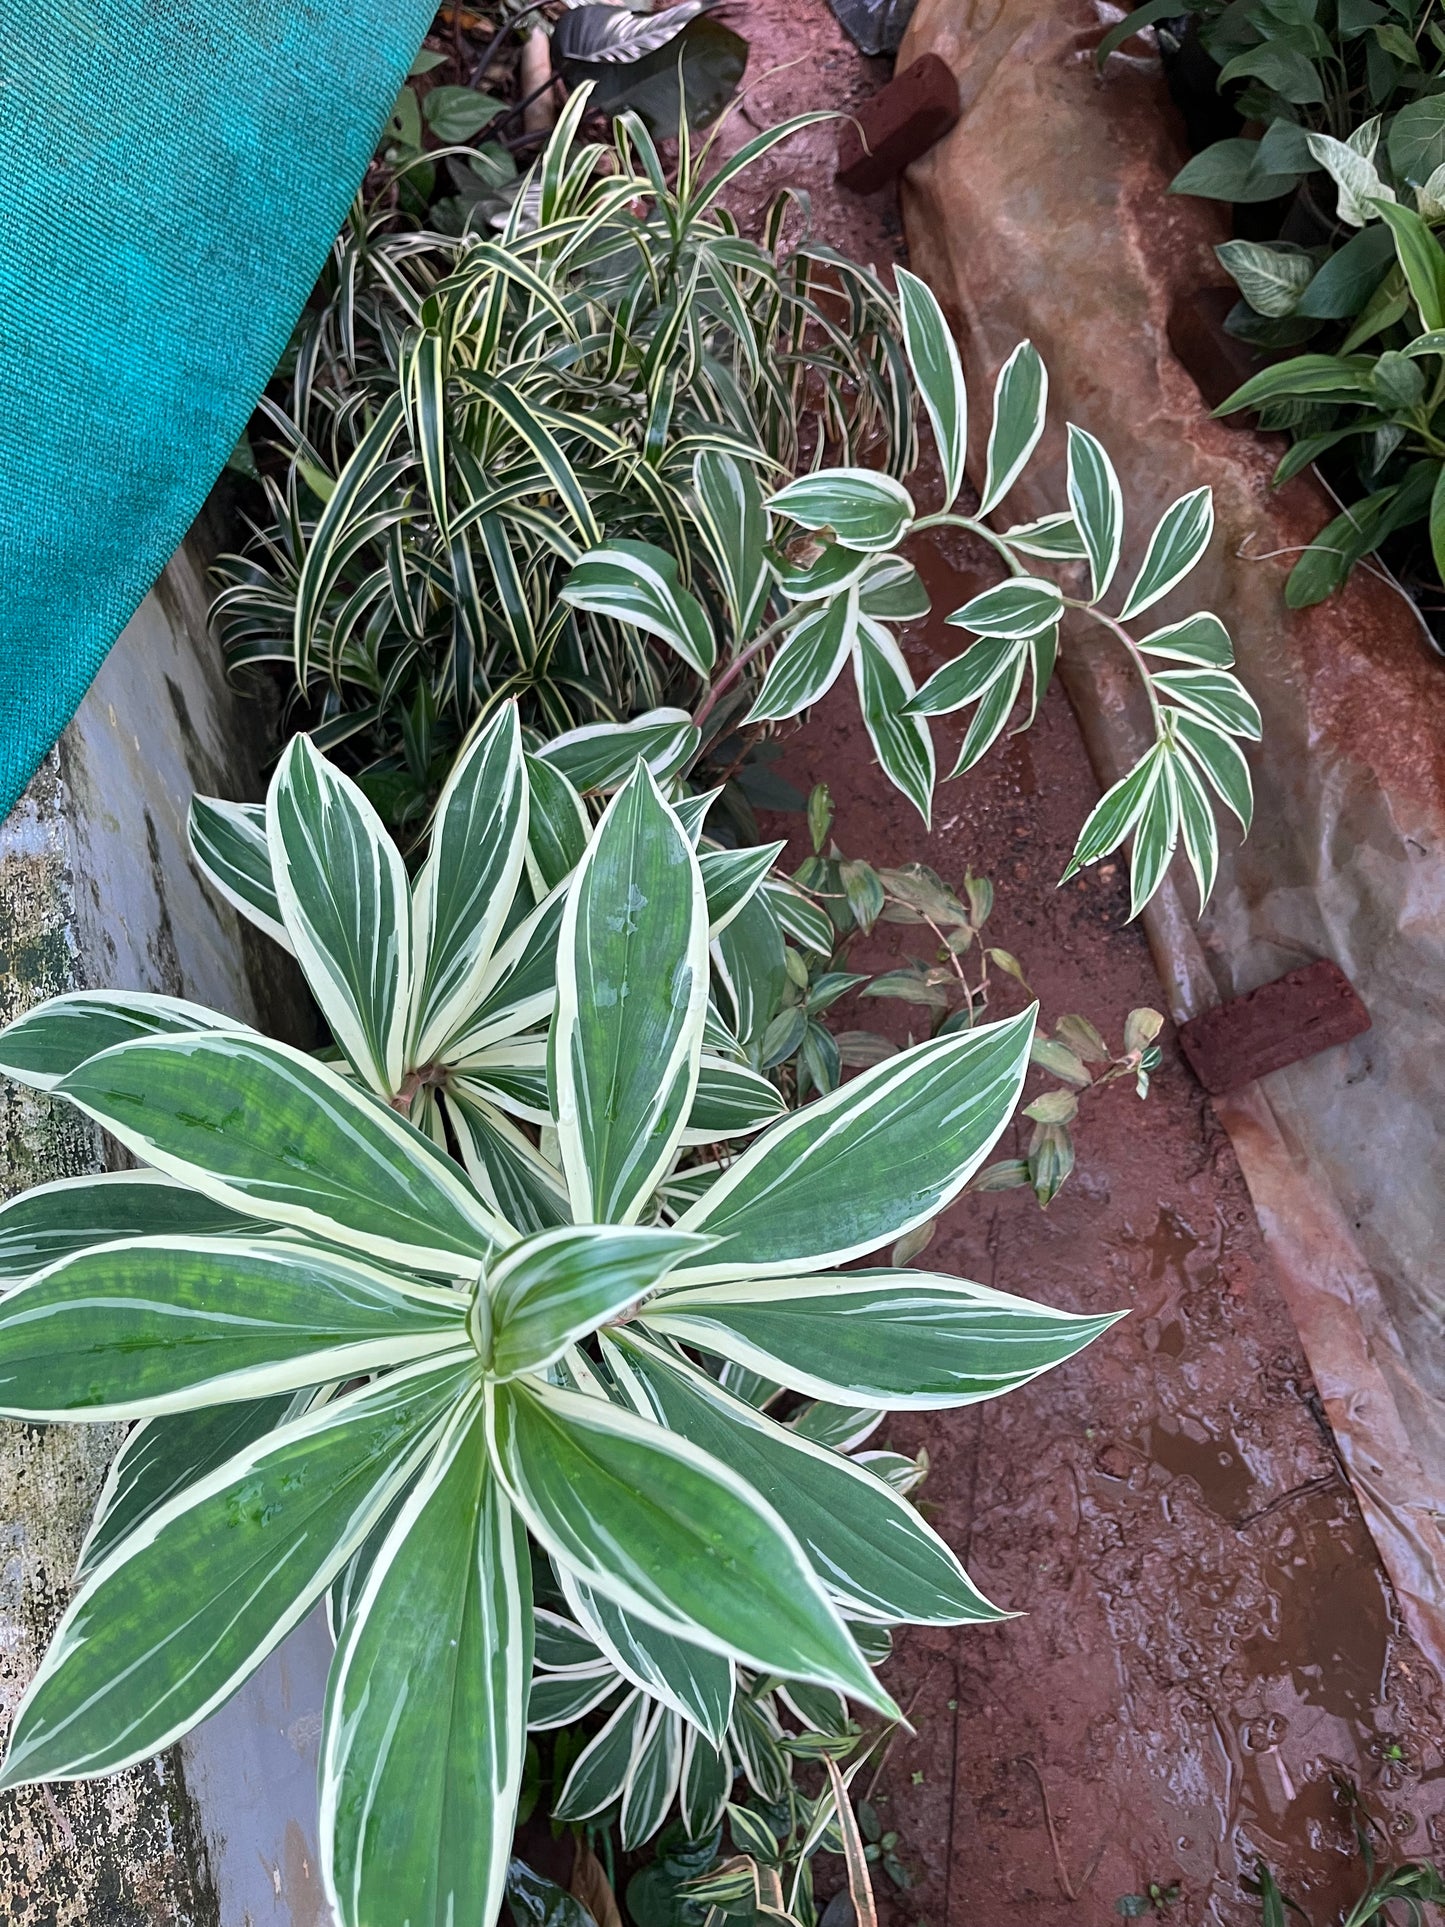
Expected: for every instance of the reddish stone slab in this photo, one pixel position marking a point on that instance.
(1306, 1011)
(900, 122)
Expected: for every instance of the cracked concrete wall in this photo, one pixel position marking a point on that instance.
(97, 890)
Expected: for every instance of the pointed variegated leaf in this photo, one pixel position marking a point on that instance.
(464, 890)
(558, 826)
(696, 1683)
(521, 987)
(728, 508)
(729, 878)
(505, 1166)
(632, 983)
(1222, 762)
(188, 1605)
(228, 841)
(1116, 813)
(939, 375)
(1098, 505)
(346, 902)
(731, 1101)
(652, 1779)
(1216, 696)
(55, 1221)
(555, 1287)
(56, 1037)
(892, 590)
(602, 756)
(670, 1534)
(884, 1153)
(598, 1775)
(638, 583)
(809, 659)
(1020, 400)
(1175, 546)
(561, 1699)
(1019, 606)
(426, 1713)
(707, 1779)
(901, 741)
(169, 1324)
(865, 509)
(315, 1152)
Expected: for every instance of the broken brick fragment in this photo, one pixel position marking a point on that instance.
(1306, 1011)
(900, 122)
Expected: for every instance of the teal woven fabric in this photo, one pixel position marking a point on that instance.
(173, 174)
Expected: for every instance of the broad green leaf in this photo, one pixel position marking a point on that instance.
(346, 901)
(1019, 606)
(864, 509)
(55, 1221)
(900, 739)
(905, 1339)
(503, 1163)
(228, 841)
(426, 1714)
(874, 1553)
(557, 825)
(809, 660)
(696, 1683)
(1231, 170)
(1202, 639)
(1098, 506)
(1322, 377)
(649, 1521)
(56, 1037)
(652, 1780)
(870, 1161)
(1284, 69)
(939, 374)
(965, 678)
(168, 1324)
(1020, 401)
(188, 1605)
(162, 1456)
(730, 877)
(731, 1101)
(1156, 835)
(599, 1773)
(1421, 257)
(1222, 762)
(632, 982)
(1214, 694)
(1115, 814)
(892, 590)
(729, 510)
(1175, 546)
(638, 583)
(552, 1289)
(1437, 523)
(465, 888)
(601, 756)
(315, 1151)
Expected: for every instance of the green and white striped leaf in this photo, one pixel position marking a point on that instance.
(731, 1101)
(830, 570)
(168, 1324)
(465, 889)
(891, 590)
(601, 756)
(870, 1161)
(1019, 606)
(560, 1699)
(707, 1779)
(558, 826)
(730, 877)
(1221, 760)
(632, 984)
(870, 1548)
(316, 1152)
(1098, 505)
(555, 1287)
(1196, 823)
(1201, 639)
(864, 509)
(512, 1075)
(562, 1644)
(652, 1781)
(669, 1534)
(599, 1773)
(809, 660)
(1020, 401)
(521, 987)
(1215, 695)
(1115, 814)
(729, 511)
(45, 1045)
(346, 901)
(1052, 538)
(1175, 546)
(695, 1683)
(966, 678)
(1156, 835)
(426, 1715)
(188, 1605)
(55, 1221)
(804, 921)
(885, 1339)
(900, 740)
(228, 841)
(505, 1166)
(162, 1456)
(638, 583)
(936, 368)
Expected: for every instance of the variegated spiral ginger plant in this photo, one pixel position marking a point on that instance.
(360, 1368)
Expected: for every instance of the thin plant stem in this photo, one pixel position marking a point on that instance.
(736, 667)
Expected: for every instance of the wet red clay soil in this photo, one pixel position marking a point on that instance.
(1208, 1635)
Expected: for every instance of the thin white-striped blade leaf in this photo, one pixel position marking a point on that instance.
(901, 741)
(512, 1076)
(314, 1152)
(599, 1773)
(168, 1324)
(562, 1645)
(1176, 545)
(1221, 760)
(730, 877)
(1196, 823)
(522, 984)
(464, 890)
(1020, 401)
(602, 756)
(936, 368)
(1215, 695)
(344, 895)
(696, 1683)
(426, 1714)
(670, 1534)
(162, 1456)
(1018, 606)
(707, 1780)
(54, 1221)
(505, 1166)
(728, 508)
(1098, 505)
(557, 826)
(1156, 836)
(731, 1101)
(553, 1288)
(638, 583)
(1115, 813)
(809, 660)
(882, 1154)
(559, 1699)
(56, 1037)
(189, 1604)
(885, 1339)
(967, 677)
(802, 919)
(1200, 638)
(871, 1549)
(228, 841)
(632, 982)
(652, 1779)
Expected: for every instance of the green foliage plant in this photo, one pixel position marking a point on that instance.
(355, 1373)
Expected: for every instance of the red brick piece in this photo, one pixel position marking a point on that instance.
(1308, 1010)
(899, 123)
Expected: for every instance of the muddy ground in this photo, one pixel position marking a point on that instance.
(1208, 1643)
